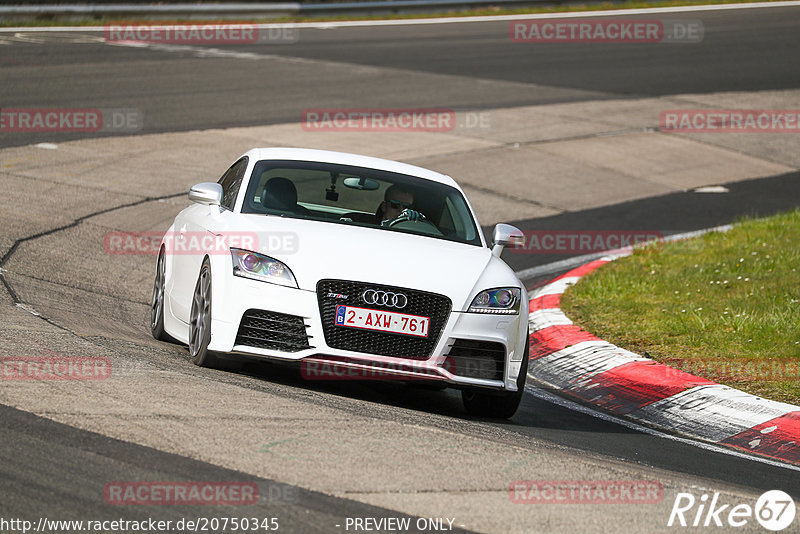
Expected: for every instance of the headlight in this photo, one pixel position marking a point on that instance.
(259, 267)
(504, 300)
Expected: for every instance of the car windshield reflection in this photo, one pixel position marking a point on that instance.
(358, 196)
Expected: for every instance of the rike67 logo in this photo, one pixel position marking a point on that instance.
(774, 510)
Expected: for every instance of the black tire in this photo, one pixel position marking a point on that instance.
(200, 326)
(157, 303)
(200, 320)
(495, 406)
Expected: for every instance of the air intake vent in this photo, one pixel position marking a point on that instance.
(476, 359)
(273, 331)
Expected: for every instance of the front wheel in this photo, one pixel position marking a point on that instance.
(500, 406)
(200, 320)
(200, 326)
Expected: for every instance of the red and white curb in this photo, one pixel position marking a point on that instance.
(577, 364)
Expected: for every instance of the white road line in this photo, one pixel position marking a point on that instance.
(567, 15)
(571, 405)
(464, 20)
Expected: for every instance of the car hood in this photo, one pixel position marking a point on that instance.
(316, 250)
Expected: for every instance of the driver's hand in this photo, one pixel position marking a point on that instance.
(406, 215)
(411, 215)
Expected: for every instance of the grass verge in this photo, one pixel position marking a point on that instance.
(46, 21)
(724, 306)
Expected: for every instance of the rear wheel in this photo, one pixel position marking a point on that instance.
(157, 303)
(501, 406)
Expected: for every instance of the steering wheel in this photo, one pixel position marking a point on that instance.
(415, 221)
(406, 215)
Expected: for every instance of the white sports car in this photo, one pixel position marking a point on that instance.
(352, 266)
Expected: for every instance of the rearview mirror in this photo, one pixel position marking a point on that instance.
(364, 184)
(505, 234)
(208, 193)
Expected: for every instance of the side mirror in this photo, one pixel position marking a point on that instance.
(208, 193)
(505, 234)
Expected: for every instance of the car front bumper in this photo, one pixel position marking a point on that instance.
(236, 295)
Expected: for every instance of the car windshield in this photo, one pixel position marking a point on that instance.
(358, 196)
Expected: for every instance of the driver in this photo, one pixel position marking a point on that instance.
(396, 207)
(395, 201)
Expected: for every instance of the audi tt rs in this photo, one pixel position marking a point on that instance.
(351, 266)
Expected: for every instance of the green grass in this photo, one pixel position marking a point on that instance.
(588, 6)
(724, 306)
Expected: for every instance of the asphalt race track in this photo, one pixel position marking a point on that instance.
(461, 66)
(324, 452)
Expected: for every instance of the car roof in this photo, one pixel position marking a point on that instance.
(345, 158)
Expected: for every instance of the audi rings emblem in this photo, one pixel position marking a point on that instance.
(384, 298)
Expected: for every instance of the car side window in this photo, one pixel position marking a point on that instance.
(231, 181)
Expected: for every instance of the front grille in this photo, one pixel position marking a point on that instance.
(274, 331)
(437, 307)
(476, 359)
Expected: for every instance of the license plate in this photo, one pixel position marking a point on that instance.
(382, 321)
